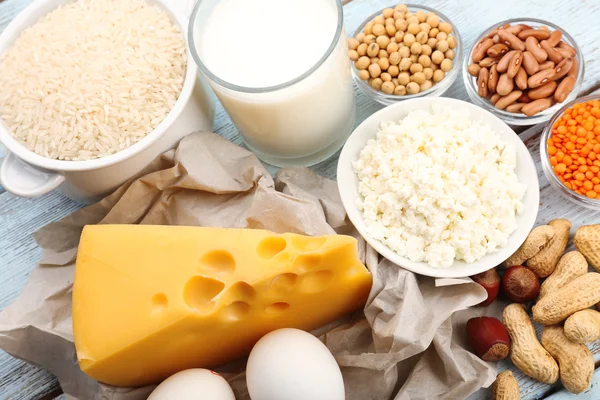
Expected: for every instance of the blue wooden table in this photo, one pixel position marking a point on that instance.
(19, 218)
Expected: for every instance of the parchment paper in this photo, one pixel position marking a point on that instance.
(408, 343)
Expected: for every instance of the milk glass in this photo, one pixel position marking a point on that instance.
(301, 121)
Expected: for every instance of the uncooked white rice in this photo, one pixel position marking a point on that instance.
(91, 78)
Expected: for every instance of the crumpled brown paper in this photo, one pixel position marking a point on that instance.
(404, 346)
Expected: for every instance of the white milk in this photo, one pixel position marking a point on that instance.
(254, 46)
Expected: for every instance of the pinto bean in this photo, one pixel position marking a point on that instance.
(489, 61)
(554, 38)
(564, 89)
(473, 69)
(511, 40)
(493, 79)
(540, 92)
(540, 78)
(565, 46)
(504, 61)
(530, 63)
(539, 34)
(481, 50)
(533, 46)
(536, 106)
(521, 79)
(547, 65)
(497, 50)
(524, 98)
(562, 68)
(515, 64)
(482, 82)
(553, 55)
(507, 100)
(515, 107)
(505, 85)
(574, 70)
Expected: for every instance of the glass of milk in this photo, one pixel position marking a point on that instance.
(280, 68)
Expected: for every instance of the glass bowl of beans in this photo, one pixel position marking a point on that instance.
(570, 151)
(405, 52)
(523, 70)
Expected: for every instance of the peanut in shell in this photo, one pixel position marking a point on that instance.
(505, 387)
(579, 294)
(583, 326)
(569, 267)
(587, 242)
(544, 263)
(527, 352)
(537, 239)
(575, 361)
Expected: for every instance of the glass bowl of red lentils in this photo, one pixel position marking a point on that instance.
(570, 151)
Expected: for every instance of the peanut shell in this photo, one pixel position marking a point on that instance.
(505, 387)
(587, 241)
(575, 361)
(579, 294)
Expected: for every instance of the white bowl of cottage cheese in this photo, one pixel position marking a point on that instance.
(439, 186)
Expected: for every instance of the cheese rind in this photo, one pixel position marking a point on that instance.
(149, 301)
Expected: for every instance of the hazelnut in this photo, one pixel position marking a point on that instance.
(520, 284)
(488, 338)
(490, 280)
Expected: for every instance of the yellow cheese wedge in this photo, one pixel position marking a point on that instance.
(149, 301)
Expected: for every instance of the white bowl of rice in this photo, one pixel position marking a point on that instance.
(91, 91)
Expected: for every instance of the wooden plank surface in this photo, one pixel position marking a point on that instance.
(19, 218)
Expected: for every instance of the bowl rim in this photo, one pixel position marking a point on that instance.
(29, 16)
(567, 193)
(348, 190)
(516, 118)
(437, 89)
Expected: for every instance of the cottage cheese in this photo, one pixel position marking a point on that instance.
(439, 186)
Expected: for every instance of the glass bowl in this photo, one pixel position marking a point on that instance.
(436, 90)
(518, 118)
(567, 193)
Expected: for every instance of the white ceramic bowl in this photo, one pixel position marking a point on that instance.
(27, 174)
(526, 172)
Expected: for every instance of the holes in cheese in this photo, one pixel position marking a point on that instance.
(235, 311)
(199, 292)
(159, 302)
(223, 290)
(315, 282)
(219, 262)
(283, 283)
(241, 291)
(271, 246)
(307, 262)
(277, 308)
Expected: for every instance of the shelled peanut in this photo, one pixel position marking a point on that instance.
(403, 52)
(522, 69)
(573, 148)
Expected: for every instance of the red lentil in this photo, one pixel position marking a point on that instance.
(573, 148)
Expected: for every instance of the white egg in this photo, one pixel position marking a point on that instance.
(290, 364)
(193, 384)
